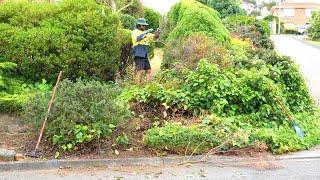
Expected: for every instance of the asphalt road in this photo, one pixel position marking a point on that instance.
(308, 58)
(260, 169)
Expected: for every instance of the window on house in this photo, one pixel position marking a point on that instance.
(309, 13)
(287, 12)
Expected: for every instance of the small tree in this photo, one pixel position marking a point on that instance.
(314, 31)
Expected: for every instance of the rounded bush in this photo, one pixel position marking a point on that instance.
(89, 104)
(189, 17)
(81, 38)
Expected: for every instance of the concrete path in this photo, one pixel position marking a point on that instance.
(308, 58)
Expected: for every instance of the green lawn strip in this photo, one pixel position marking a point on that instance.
(315, 43)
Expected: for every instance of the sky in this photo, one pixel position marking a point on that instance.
(163, 6)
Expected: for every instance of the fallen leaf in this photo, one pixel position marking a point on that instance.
(116, 152)
(165, 115)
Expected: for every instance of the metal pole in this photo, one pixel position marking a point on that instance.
(279, 18)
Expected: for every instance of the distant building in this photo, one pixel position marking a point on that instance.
(295, 14)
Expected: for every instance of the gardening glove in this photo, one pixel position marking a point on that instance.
(148, 31)
(157, 33)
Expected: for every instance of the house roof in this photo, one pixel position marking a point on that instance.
(296, 5)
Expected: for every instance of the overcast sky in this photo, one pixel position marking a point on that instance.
(163, 6)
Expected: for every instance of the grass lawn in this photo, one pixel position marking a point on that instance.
(315, 43)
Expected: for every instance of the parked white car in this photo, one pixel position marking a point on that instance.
(303, 29)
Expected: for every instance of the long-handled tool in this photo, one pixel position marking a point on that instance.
(288, 113)
(36, 153)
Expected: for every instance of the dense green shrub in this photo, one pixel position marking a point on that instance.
(126, 50)
(152, 17)
(285, 72)
(314, 31)
(14, 92)
(235, 132)
(4, 67)
(180, 139)
(250, 27)
(83, 111)
(229, 92)
(223, 92)
(189, 16)
(244, 106)
(225, 7)
(128, 22)
(26, 15)
(80, 38)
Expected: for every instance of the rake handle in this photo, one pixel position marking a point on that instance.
(282, 105)
(49, 109)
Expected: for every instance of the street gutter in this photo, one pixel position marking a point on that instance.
(146, 161)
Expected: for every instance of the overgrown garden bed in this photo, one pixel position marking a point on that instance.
(218, 90)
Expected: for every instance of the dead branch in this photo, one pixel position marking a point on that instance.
(126, 6)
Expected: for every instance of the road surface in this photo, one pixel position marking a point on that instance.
(260, 169)
(308, 58)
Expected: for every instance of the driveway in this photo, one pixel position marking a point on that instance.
(308, 58)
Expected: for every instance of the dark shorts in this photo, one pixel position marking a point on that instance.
(142, 63)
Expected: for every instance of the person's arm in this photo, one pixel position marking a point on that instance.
(141, 37)
(144, 35)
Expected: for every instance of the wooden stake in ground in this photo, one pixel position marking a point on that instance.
(36, 153)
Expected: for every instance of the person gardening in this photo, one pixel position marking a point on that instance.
(141, 39)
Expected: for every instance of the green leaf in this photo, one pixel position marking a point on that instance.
(69, 146)
(111, 126)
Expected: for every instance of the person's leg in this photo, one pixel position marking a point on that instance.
(139, 70)
(148, 74)
(139, 74)
(148, 69)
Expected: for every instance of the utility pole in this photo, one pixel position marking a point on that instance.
(279, 17)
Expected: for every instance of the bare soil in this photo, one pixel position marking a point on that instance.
(25, 142)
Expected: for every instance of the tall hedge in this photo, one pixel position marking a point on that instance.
(79, 37)
(314, 31)
(225, 7)
(153, 17)
(189, 16)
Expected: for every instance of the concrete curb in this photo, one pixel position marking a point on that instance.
(56, 164)
(151, 161)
